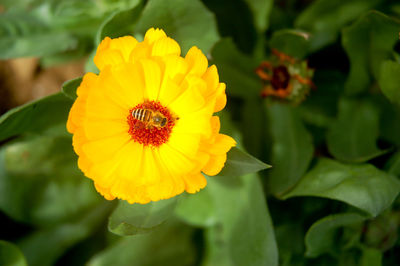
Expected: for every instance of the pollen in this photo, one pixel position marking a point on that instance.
(145, 131)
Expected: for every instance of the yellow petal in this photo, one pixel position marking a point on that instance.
(103, 128)
(194, 182)
(175, 161)
(189, 101)
(153, 35)
(104, 149)
(197, 61)
(165, 46)
(214, 165)
(152, 78)
(131, 83)
(221, 98)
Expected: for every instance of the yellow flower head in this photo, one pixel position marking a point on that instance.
(143, 127)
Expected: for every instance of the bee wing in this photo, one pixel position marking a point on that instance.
(139, 125)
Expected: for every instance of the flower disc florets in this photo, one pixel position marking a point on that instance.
(285, 78)
(144, 130)
(143, 127)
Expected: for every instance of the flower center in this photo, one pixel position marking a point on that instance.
(280, 78)
(150, 123)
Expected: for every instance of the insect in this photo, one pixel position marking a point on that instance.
(149, 118)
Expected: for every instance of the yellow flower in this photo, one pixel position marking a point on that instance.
(143, 127)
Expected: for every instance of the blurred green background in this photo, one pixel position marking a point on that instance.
(331, 196)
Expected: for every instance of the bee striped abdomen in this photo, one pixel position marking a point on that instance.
(143, 115)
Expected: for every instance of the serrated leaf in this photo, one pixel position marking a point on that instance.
(197, 26)
(389, 80)
(361, 185)
(291, 42)
(240, 163)
(321, 237)
(69, 87)
(353, 137)
(132, 219)
(24, 35)
(237, 70)
(120, 23)
(368, 43)
(325, 18)
(261, 10)
(292, 148)
(36, 116)
(10, 255)
(243, 234)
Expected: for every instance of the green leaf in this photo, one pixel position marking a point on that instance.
(291, 42)
(322, 235)
(69, 87)
(169, 245)
(389, 80)
(371, 257)
(131, 219)
(353, 137)
(188, 22)
(23, 34)
(393, 165)
(292, 148)
(243, 234)
(236, 70)
(361, 185)
(36, 116)
(44, 247)
(120, 23)
(368, 43)
(10, 255)
(325, 18)
(240, 163)
(197, 209)
(261, 10)
(38, 180)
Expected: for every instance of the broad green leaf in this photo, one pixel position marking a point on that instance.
(368, 43)
(236, 70)
(361, 185)
(69, 87)
(40, 183)
(132, 219)
(23, 35)
(188, 22)
(240, 163)
(36, 116)
(291, 42)
(243, 234)
(168, 245)
(261, 10)
(389, 120)
(120, 23)
(322, 235)
(371, 257)
(253, 126)
(44, 247)
(353, 137)
(197, 209)
(325, 18)
(320, 107)
(389, 80)
(393, 165)
(292, 148)
(10, 255)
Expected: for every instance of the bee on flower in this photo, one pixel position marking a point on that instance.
(144, 128)
(285, 78)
